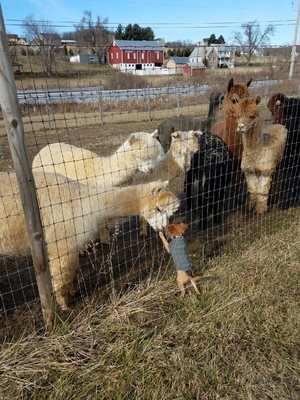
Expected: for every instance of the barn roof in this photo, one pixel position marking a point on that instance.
(180, 60)
(138, 44)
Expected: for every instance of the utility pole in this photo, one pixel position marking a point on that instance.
(293, 54)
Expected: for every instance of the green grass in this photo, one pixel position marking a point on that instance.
(239, 339)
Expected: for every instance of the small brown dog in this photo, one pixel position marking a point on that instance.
(178, 250)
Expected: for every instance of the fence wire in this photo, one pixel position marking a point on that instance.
(98, 167)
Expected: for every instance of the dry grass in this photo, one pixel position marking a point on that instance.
(239, 339)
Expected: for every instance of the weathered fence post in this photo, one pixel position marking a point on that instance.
(16, 138)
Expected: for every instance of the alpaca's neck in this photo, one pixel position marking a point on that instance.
(252, 139)
(121, 202)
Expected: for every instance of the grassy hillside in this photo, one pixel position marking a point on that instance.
(238, 339)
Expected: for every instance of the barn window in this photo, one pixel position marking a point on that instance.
(143, 55)
(112, 56)
(117, 55)
(128, 55)
(134, 56)
(157, 55)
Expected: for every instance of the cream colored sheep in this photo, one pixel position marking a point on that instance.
(141, 151)
(71, 214)
(262, 152)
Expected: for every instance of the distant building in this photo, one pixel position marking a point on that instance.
(85, 59)
(177, 63)
(131, 55)
(15, 39)
(194, 69)
(213, 56)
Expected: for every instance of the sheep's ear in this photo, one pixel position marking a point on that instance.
(155, 133)
(258, 99)
(176, 135)
(249, 82)
(230, 85)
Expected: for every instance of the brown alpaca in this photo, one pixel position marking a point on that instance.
(263, 151)
(226, 129)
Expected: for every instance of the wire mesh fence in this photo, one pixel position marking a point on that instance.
(117, 157)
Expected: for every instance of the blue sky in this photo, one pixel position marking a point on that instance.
(170, 19)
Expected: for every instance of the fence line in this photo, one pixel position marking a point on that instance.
(16, 138)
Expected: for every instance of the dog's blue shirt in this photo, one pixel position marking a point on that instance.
(178, 250)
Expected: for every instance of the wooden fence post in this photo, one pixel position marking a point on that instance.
(16, 138)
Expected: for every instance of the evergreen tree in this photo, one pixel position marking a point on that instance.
(221, 39)
(119, 32)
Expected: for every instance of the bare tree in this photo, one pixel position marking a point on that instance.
(40, 34)
(252, 38)
(93, 34)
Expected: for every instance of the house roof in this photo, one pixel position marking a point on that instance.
(180, 60)
(138, 44)
(198, 52)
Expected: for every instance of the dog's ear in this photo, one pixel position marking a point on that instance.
(230, 85)
(183, 227)
(249, 82)
(172, 229)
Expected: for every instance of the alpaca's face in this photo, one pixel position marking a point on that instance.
(158, 208)
(146, 150)
(247, 114)
(234, 96)
(183, 146)
(275, 105)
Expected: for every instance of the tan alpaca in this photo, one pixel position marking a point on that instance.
(141, 151)
(174, 166)
(226, 128)
(71, 214)
(263, 151)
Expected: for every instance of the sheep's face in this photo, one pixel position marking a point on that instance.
(183, 146)
(235, 93)
(247, 114)
(146, 150)
(158, 207)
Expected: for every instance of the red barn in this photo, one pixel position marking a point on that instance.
(194, 69)
(135, 54)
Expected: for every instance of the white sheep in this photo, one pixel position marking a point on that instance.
(141, 151)
(71, 214)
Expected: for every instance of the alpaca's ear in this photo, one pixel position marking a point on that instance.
(132, 139)
(230, 85)
(196, 133)
(155, 133)
(176, 135)
(249, 82)
(258, 99)
(159, 185)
